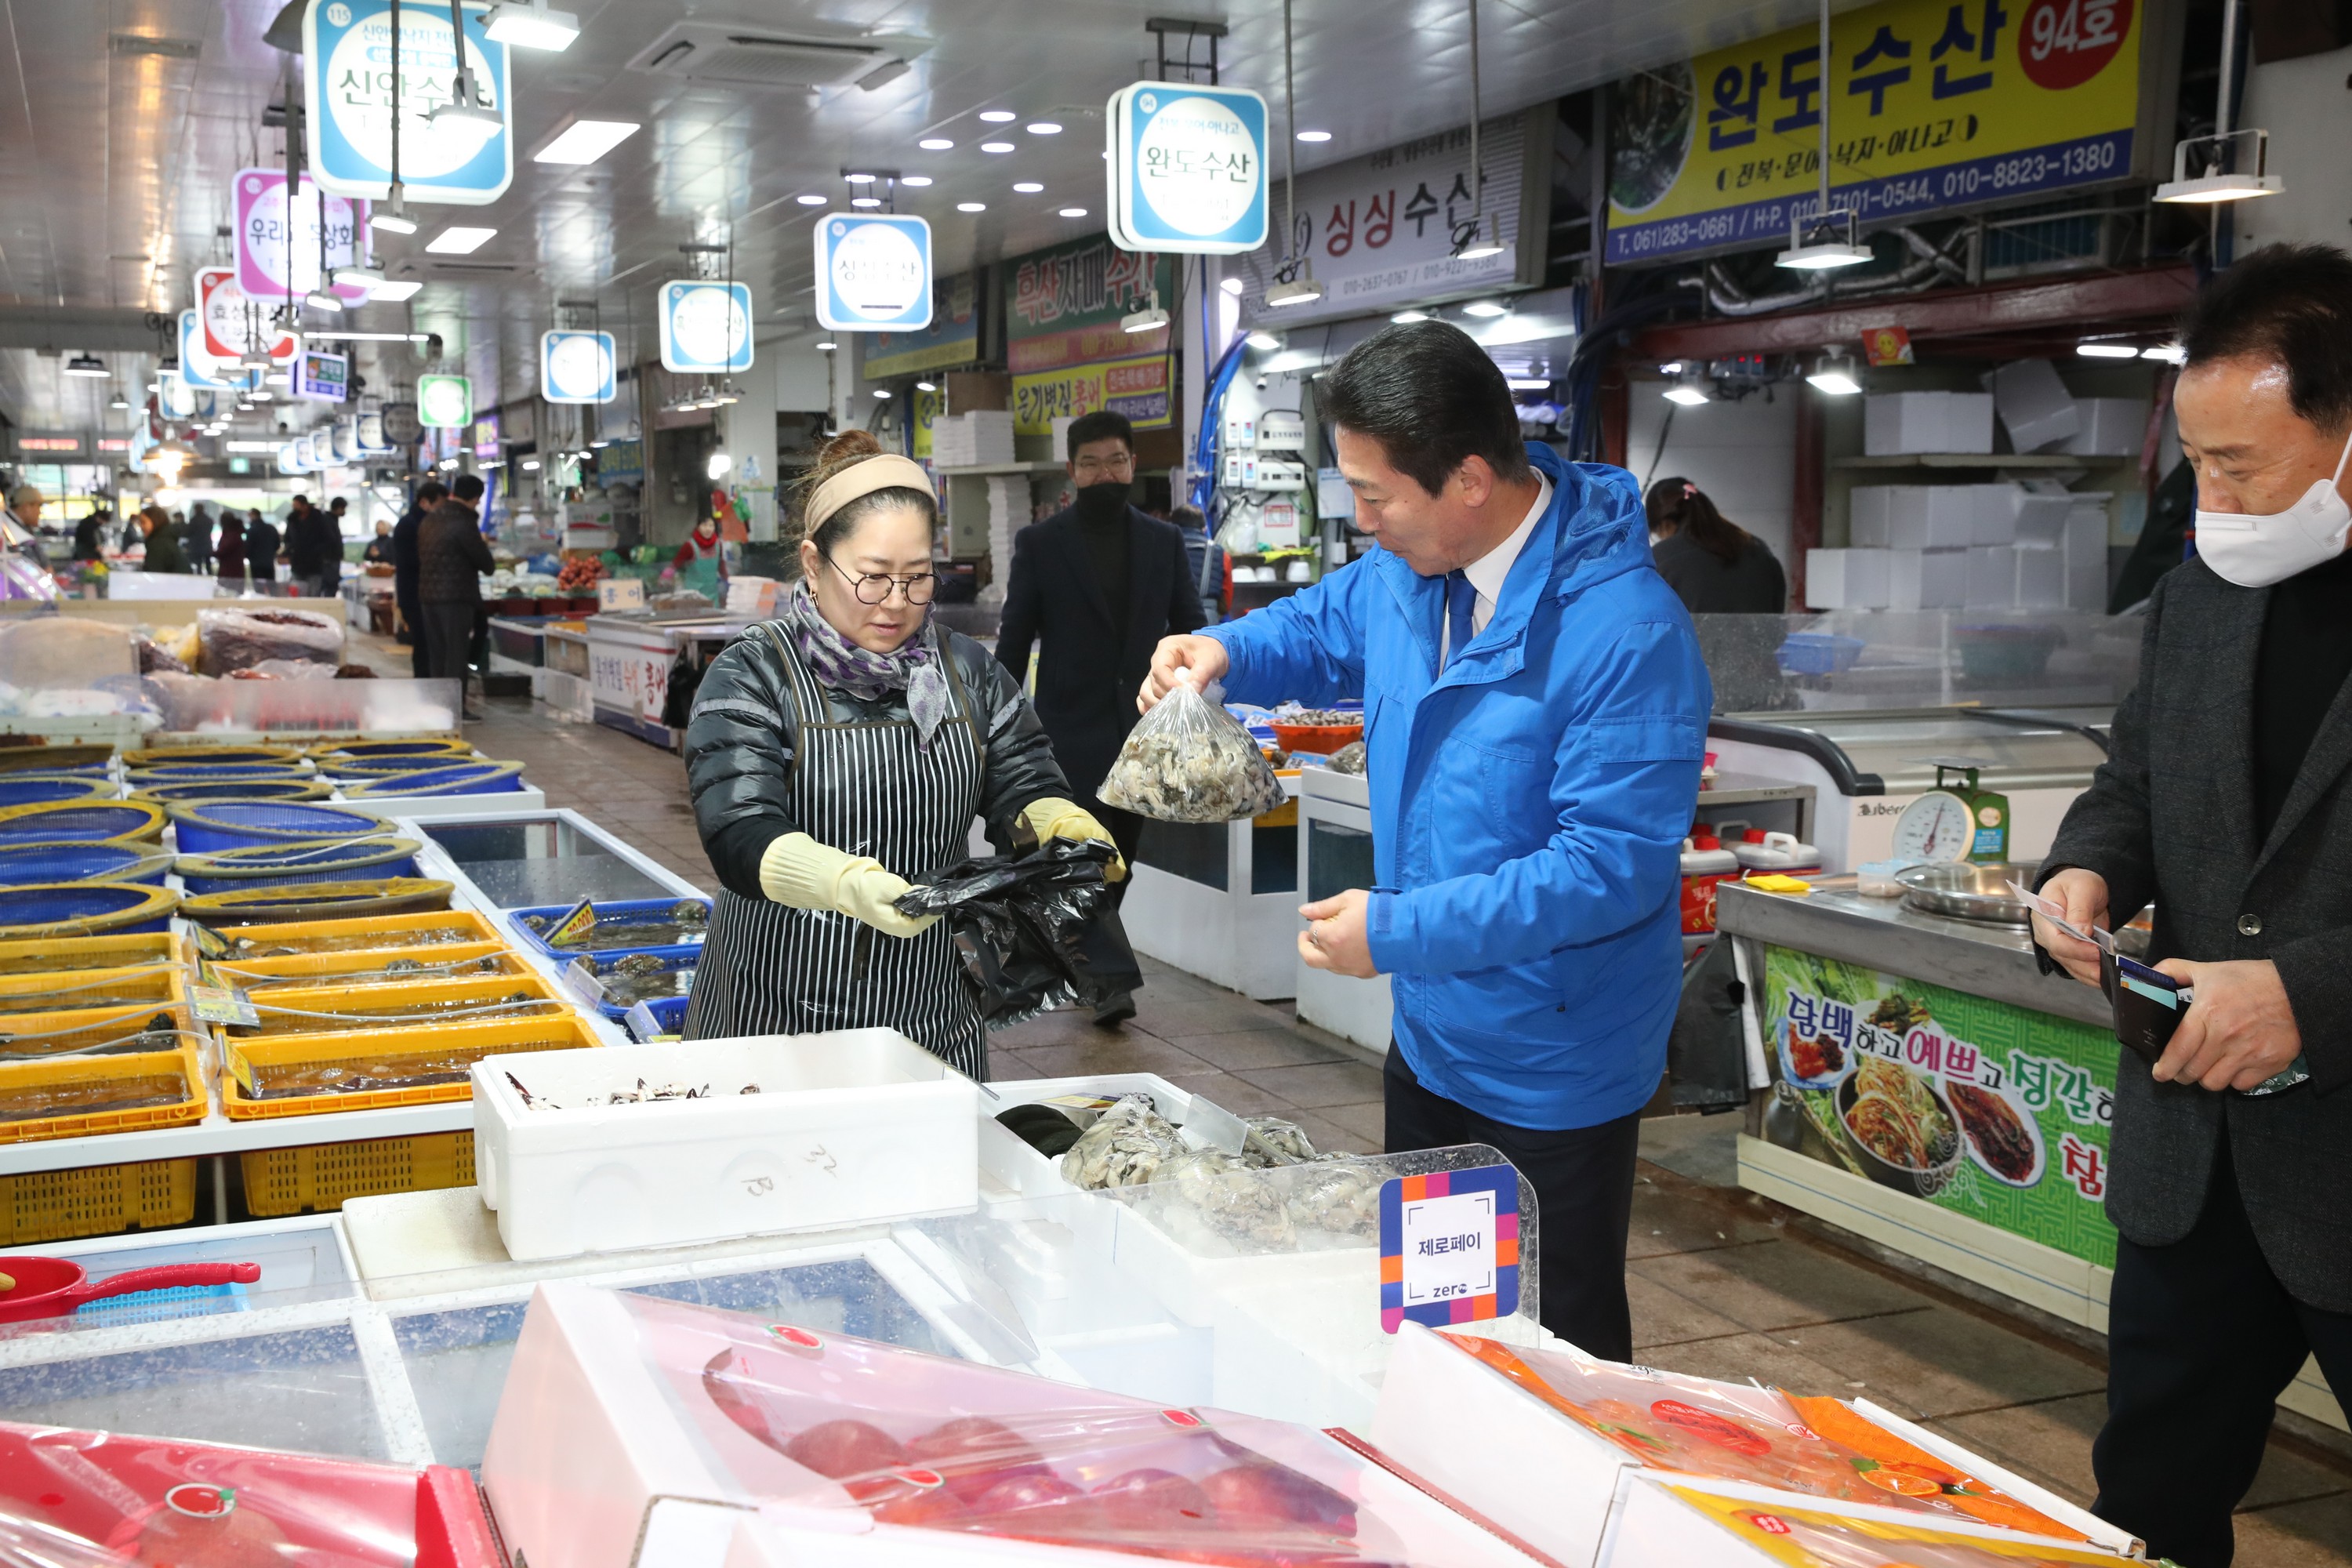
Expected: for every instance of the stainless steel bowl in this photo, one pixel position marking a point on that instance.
(1968, 892)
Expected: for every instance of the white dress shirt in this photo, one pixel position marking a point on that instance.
(1488, 572)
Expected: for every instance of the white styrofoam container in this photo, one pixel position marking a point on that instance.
(1894, 423)
(2086, 549)
(2041, 516)
(1967, 422)
(2035, 407)
(2110, 427)
(850, 1127)
(1995, 514)
(1825, 579)
(1869, 508)
(1927, 579)
(2040, 577)
(1992, 577)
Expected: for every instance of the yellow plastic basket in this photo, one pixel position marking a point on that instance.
(420, 1003)
(272, 1076)
(382, 932)
(64, 822)
(164, 756)
(85, 1095)
(368, 901)
(96, 1200)
(451, 961)
(153, 986)
(315, 1178)
(403, 746)
(82, 952)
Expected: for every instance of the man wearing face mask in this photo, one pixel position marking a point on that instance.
(2225, 802)
(1100, 584)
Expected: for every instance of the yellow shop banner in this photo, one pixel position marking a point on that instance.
(1138, 387)
(1934, 104)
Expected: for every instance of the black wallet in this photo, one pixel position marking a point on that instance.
(2148, 1003)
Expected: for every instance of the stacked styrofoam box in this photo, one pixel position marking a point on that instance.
(967, 440)
(1894, 423)
(1853, 579)
(2035, 407)
(1925, 531)
(1061, 436)
(1926, 579)
(1008, 514)
(2086, 555)
(2109, 427)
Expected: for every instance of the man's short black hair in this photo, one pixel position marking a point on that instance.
(1428, 394)
(2287, 303)
(431, 489)
(467, 488)
(1102, 424)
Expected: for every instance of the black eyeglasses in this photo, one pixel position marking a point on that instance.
(874, 588)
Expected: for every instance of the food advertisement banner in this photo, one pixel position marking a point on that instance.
(1993, 1111)
(951, 339)
(1063, 341)
(1934, 104)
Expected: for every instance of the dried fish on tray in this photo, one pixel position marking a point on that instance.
(1189, 760)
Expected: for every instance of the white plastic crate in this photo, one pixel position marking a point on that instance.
(851, 1127)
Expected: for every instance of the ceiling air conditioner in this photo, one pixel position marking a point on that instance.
(719, 52)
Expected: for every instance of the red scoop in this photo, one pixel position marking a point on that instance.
(52, 1286)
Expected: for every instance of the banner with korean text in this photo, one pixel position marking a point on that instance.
(1063, 344)
(1995, 1112)
(1934, 105)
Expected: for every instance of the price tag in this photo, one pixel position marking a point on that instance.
(1450, 1246)
(209, 942)
(621, 594)
(644, 1026)
(583, 982)
(223, 1004)
(580, 919)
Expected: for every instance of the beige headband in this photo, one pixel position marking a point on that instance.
(884, 471)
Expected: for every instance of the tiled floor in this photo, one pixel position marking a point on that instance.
(1722, 1283)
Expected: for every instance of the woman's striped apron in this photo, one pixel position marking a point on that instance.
(867, 789)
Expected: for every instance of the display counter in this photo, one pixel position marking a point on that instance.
(629, 662)
(1220, 899)
(1335, 853)
(1922, 1083)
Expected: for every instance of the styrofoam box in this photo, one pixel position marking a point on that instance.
(1845, 579)
(1868, 509)
(2109, 427)
(1996, 514)
(2040, 577)
(1992, 577)
(1967, 422)
(1927, 579)
(1894, 423)
(2085, 549)
(1661, 1519)
(2035, 407)
(2041, 516)
(1557, 1484)
(850, 1127)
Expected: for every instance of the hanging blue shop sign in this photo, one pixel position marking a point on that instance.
(706, 327)
(1187, 169)
(874, 273)
(348, 72)
(575, 367)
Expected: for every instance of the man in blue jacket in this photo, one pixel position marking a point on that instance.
(1536, 711)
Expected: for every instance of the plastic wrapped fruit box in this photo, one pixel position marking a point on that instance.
(1544, 1442)
(854, 1452)
(1724, 1525)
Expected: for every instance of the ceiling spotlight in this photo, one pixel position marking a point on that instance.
(2216, 155)
(1263, 340)
(998, 116)
(1074, 211)
(1315, 136)
(917, 180)
(1835, 374)
(393, 218)
(1232, 285)
(369, 278)
(1406, 318)
(1528, 383)
(996, 146)
(826, 348)
(810, 199)
(727, 393)
(1481, 240)
(859, 179)
(971, 206)
(883, 392)
(1150, 318)
(85, 365)
(866, 201)
(322, 300)
(531, 26)
(465, 120)
(600, 442)
(1027, 187)
(1686, 389)
(585, 141)
(1300, 291)
(531, 465)
(926, 386)
(2107, 351)
(118, 401)
(2171, 354)
(392, 293)
(1043, 128)
(1824, 245)
(1486, 307)
(458, 239)
(935, 144)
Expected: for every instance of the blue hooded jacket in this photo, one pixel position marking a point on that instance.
(1528, 804)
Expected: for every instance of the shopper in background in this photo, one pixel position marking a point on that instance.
(330, 545)
(164, 552)
(314, 547)
(841, 748)
(1717, 567)
(2224, 802)
(1101, 583)
(198, 539)
(261, 544)
(228, 550)
(1537, 712)
(90, 536)
(379, 549)
(429, 494)
(452, 557)
(25, 508)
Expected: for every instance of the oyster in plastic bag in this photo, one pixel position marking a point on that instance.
(1124, 1146)
(1225, 1197)
(1282, 1137)
(1188, 761)
(1348, 758)
(1335, 1194)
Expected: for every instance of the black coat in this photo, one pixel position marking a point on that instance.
(1085, 685)
(743, 736)
(2171, 818)
(452, 556)
(403, 558)
(261, 543)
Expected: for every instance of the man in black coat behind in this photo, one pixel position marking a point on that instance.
(429, 494)
(1101, 583)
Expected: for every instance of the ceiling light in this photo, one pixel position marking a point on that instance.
(810, 199)
(1301, 290)
(1315, 136)
(118, 400)
(914, 180)
(859, 179)
(726, 395)
(866, 201)
(393, 292)
(998, 116)
(531, 465)
(935, 144)
(2107, 351)
(971, 206)
(1027, 187)
(382, 337)
(85, 365)
(1687, 396)
(1824, 244)
(825, 348)
(262, 395)
(600, 442)
(996, 146)
(321, 299)
(464, 120)
(1074, 211)
(1528, 383)
(1486, 307)
(2171, 354)
(1485, 239)
(1406, 318)
(1232, 285)
(1150, 318)
(392, 219)
(459, 241)
(926, 386)
(367, 278)
(1044, 128)
(585, 141)
(1834, 375)
(2216, 153)
(533, 27)
(882, 392)
(1263, 340)
(718, 463)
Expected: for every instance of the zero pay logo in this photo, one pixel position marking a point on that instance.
(2067, 42)
(877, 270)
(1197, 162)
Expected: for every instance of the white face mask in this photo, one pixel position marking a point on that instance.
(2254, 550)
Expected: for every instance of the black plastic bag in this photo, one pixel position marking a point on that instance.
(1034, 930)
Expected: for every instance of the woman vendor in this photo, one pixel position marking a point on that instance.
(841, 748)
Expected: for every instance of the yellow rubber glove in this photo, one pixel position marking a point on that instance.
(1053, 817)
(796, 870)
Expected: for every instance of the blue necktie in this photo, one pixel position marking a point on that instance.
(1459, 596)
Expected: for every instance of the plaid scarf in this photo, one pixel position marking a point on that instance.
(913, 668)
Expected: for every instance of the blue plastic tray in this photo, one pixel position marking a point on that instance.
(210, 826)
(629, 912)
(284, 864)
(669, 1015)
(1818, 653)
(83, 863)
(672, 959)
(164, 1305)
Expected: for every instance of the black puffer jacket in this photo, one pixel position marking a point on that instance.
(743, 737)
(452, 556)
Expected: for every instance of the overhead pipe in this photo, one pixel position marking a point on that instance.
(1931, 265)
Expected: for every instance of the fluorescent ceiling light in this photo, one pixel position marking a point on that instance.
(1672, 367)
(118, 401)
(531, 465)
(1484, 307)
(1315, 136)
(459, 241)
(393, 219)
(2171, 354)
(1528, 383)
(261, 446)
(1027, 187)
(1406, 318)
(465, 121)
(2107, 351)
(810, 199)
(1689, 396)
(971, 206)
(998, 116)
(1147, 320)
(1834, 375)
(1263, 340)
(926, 386)
(1074, 211)
(85, 365)
(915, 180)
(1304, 291)
(585, 141)
(2213, 188)
(366, 277)
(1044, 128)
(1232, 285)
(395, 291)
(882, 392)
(996, 146)
(1822, 257)
(866, 201)
(533, 27)
(382, 337)
(859, 179)
(2246, 148)
(825, 348)
(935, 144)
(321, 300)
